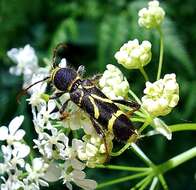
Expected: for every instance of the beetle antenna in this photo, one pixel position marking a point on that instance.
(24, 91)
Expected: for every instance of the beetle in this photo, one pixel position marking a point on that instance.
(104, 113)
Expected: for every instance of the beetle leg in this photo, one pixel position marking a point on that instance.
(96, 78)
(133, 105)
(62, 111)
(100, 131)
(56, 95)
(64, 106)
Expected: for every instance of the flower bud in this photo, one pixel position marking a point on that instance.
(152, 16)
(133, 56)
(161, 96)
(93, 150)
(113, 84)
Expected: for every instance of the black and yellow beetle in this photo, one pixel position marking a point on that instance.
(103, 112)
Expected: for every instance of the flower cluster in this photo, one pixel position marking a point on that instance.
(51, 128)
(113, 83)
(93, 149)
(26, 64)
(133, 55)
(151, 17)
(26, 60)
(21, 175)
(161, 96)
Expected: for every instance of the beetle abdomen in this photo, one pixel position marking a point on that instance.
(123, 128)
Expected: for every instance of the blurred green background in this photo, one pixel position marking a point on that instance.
(94, 30)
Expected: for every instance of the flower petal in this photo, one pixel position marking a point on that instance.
(76, 164)
(15, 124)
(19, 134)
(53, 173)
(162, 128)
(20, 150)
(87, 184)
(51, 105)
(3, 133)
(37, 164)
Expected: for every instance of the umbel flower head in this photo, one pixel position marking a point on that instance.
(133, 55)
(93, 150)
(25, 58)
(113, 83)
(151, 17)
(161, 96)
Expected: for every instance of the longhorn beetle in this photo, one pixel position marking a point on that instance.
(104, 113)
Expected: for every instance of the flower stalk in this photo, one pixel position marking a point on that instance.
(144, 74)
(124, 168)
(122, 179)
(183, 127)
(177, 160)
(161, 53)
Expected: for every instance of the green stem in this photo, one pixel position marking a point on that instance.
(123, 168)
(183, 127)
(141, 183)
(146, 123)
(144, 74)
(141, 155)
(135, 96)
(122, 179)
(161, 54)
(141, 114)
(163, 182)
(146, 183)
(75, 134)
(177, 160)
(154, 183)
(173, 128)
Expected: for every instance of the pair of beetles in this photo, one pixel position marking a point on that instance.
(104, 113)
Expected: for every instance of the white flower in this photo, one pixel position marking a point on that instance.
(72, 172)
(39, 75)
(20, 151)
(12, 133)
(161, 96)
(87, 126)
(13, 155)
(151, 17)
(12, 183)
(26, 60)
(37, 91)
(113, 83)
(46, 111)
(36, 172)
(53, 172)
(75, 118)
(133, 55)
(53, 145)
